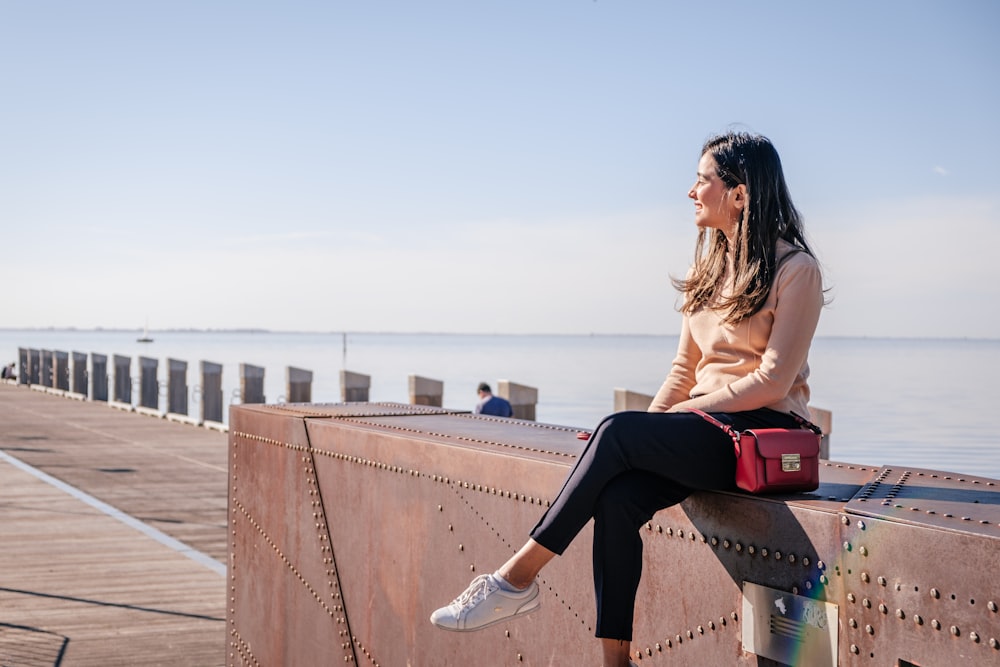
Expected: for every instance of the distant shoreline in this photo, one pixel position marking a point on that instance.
(280, 332)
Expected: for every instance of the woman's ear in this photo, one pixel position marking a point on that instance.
(739, 196)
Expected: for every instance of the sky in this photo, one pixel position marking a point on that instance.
(483, 167)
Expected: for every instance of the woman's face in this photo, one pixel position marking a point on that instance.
(715, 206)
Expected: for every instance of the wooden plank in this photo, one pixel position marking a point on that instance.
(79, 586)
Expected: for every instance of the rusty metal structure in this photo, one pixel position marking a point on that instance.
(350, 523)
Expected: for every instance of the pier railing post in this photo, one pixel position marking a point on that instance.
(177, 387)
(79, 374)
(354, 387)
(823, 419)
(211, 392)
(45, 368)
(60, 370)
(23, 364)
(631, 400)
(425, 391)
(251, 384)
(149, 388)
(523, 399)
(98, 377)
(123, 379)
(34, 366)
(298, 385)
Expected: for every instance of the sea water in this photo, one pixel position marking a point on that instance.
(908, 402)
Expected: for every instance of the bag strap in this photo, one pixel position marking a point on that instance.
(730, 431)
(805, 423)
(735, 435)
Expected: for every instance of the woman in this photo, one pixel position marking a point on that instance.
(751, 304)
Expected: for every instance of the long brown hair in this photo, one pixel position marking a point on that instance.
(768, 215)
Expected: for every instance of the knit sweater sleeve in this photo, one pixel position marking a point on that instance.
(680, 380)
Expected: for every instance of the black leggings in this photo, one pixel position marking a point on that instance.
(634, 464)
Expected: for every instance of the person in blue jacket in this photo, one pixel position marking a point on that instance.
(492, 405)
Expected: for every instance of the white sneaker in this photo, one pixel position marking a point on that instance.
(484, 603)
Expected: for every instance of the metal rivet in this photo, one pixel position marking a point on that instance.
(852, 623)
(900, 613)
(844, 520)
(991, 605)
(864, 551)
(791, 558)
(869, 629)
(881, 581)
(854, 649)
(918, 619)
(866, 603)
(726, 544)
(882, 608)
(974, 636)
(777, 555)
(739, 547)
(994, 643)
(751, 550)
(935, 593)
(805, 561)
(850, 597)
(954, 630)
(861, 525)
(864, 577)
(936, 624)
(847, 546)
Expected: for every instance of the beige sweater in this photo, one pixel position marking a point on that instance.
(759, 362)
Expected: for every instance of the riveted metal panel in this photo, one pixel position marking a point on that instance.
(284, 587)
(394, 508)
(962, 503)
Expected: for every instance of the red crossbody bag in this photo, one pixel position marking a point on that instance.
(775, 460)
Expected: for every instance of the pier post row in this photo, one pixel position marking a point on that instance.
(360, 519)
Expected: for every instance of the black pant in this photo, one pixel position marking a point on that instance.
(635, 464)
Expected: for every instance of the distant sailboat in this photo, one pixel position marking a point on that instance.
(144, 338)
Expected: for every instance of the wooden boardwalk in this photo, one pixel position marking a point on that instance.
(112, 536)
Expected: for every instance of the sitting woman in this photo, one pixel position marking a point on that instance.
(751, 303)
